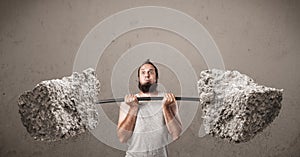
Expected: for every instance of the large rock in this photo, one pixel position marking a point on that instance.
(61, 108)
(234, 107)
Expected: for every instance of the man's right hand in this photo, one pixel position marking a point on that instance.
(127, 120)
(131, 100)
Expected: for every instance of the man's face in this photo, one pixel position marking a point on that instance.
(147, 74)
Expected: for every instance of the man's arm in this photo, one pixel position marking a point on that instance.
(127, 120)
(171, 115)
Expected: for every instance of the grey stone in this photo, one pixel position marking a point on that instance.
(61, 108)
(234, 107)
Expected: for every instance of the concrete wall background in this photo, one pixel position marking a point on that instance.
(39, 41)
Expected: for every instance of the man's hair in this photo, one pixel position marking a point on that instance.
(149, 62)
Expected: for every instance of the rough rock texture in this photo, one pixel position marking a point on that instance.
(234, 107)
(61, 108)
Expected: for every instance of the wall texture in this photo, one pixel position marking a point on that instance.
(39, 41)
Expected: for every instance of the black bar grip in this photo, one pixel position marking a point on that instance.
(104, 101)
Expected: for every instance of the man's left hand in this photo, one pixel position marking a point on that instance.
(169, 100)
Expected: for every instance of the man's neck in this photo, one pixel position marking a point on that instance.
(149, 94)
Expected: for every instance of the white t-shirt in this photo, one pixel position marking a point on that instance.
(150, 135)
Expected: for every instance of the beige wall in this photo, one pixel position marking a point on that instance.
(39, 40)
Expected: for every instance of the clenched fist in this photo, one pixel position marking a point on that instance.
(169, 100)
(131, 100)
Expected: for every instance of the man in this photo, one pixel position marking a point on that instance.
(146, 126)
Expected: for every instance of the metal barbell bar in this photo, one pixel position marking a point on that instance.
(105, 101)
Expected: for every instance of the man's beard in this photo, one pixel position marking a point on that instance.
(148, 87)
